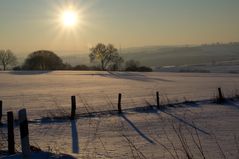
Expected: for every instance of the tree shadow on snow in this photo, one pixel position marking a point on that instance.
(132, 76)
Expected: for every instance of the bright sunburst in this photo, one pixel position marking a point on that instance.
(69, 18)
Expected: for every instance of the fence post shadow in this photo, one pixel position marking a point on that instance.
(136, 129)
(75, 139)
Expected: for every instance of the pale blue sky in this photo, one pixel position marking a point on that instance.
(28, 25)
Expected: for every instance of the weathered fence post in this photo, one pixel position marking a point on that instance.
(24, 133)
(119, 103)
(73, 107)
(157, 95)
(10, 128)
(0, 111)
(221, 98)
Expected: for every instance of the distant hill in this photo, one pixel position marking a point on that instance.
(183, 55)
(157, 56)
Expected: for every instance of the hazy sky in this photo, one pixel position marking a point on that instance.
(28, 25)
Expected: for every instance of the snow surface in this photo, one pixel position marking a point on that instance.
(142, 131)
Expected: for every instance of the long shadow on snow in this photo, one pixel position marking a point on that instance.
(141, 109)
(153, 109)
(132, 76)
(186, 122)
(29, 72)
(75, 139)
(74, 131)
(231, 103)
(137, 130)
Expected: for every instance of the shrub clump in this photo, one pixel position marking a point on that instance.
(135, 66)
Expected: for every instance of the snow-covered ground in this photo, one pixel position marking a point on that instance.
(142, 131)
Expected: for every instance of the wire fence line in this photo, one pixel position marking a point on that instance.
(43, 105)
(58, 106)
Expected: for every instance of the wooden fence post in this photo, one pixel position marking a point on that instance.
(157, 95)
(73, 107)
(24, 133)
(221, 98)
(0, 111)
(10, 128)
(119, 103)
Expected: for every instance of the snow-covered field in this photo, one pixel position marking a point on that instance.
(142, 131)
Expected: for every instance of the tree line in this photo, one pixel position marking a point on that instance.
(103, 57)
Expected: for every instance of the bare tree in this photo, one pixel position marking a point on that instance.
(7, 58)
(106, 55)
(116, 63)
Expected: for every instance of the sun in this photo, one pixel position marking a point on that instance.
(69, 18)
